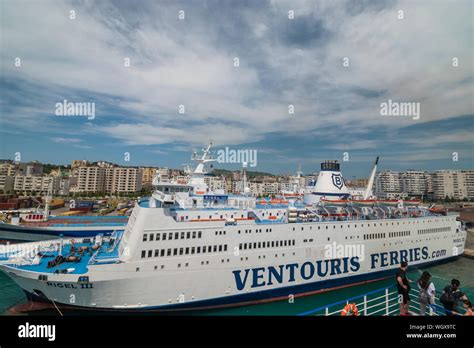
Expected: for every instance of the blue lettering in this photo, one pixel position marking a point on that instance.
(383, 261)
(273, 272)
(417, 254)
(238, 279)
(311, 270)
(424, 253)
(373, 260)
(319, 268)
(355, 265)
(292, 267)
(393, 258)
(257, 277)
(403, 255)
(335, 266)
(345, 261)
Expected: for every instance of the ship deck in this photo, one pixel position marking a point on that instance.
(107, 252)
(79, 221)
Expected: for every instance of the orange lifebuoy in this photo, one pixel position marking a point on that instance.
(350, 309)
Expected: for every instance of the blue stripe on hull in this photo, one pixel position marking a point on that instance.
(267, 295)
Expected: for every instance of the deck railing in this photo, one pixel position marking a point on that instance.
(384, 302)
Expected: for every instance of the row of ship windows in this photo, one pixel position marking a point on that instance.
(188, 235)
(187, 264)
(231, 216)
(374, 236)
(434, 230)
(362, 225)
(184, 251)
(267, 244)
(258, 230)
(399, 234)
(169, 236)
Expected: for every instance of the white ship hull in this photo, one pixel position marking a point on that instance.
(239, 276)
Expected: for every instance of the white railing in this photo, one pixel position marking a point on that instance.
(383, 302)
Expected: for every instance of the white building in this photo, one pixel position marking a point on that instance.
(388, 185)
(6, 183)
(88, 179)
(416, 183)
(40, 184)
(215, 183)
(126, 179)
(454, 184)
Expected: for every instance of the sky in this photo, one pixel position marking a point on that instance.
(332, 62)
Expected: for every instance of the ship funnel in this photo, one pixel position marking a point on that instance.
(330, 184)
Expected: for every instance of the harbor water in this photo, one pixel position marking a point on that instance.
(11, 294)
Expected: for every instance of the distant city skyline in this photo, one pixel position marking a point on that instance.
(231, 167)
(298, 82)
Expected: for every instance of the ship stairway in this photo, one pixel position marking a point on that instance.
(383, 302)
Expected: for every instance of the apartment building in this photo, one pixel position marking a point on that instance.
(388, 185)
(39, 184)
(148, 175)
(126, 180)
(416, 183)
(215, 183)
(455, 184)
(88, 179)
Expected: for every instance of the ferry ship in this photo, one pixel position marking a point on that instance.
(188, 248)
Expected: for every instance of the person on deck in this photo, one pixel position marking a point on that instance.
(468, 308)
(403, 286)
(427, 292)
(451, 296)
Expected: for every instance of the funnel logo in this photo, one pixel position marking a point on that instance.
(337, 180)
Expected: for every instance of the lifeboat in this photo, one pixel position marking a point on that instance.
(438, 209)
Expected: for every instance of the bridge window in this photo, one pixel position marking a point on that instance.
(150, 253)
(143, 254)
(151, 237)
(157, 236)
(145, 237)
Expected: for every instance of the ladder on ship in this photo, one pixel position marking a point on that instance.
(382, 302)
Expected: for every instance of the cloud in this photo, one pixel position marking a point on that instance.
(191, 63)
(65, 140)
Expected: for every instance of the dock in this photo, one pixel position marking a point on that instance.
(469, 249)
(469, 253)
